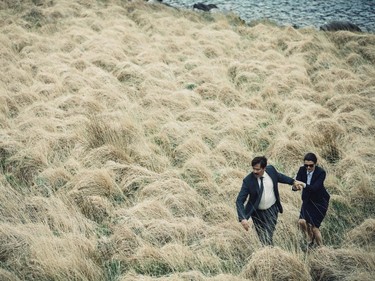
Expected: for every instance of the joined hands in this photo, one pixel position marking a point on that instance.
(298, 185)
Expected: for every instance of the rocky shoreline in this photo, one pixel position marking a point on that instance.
(295, 13)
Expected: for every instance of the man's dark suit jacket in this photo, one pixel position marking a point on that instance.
(250, 191)
(315, 191)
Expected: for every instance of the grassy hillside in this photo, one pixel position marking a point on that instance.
(126, 129)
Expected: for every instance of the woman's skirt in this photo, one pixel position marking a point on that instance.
(314, 212)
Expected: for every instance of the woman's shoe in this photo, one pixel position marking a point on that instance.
(311, 245)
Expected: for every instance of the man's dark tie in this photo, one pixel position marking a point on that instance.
(261, 186)
(260, 192)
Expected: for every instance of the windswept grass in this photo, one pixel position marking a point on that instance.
(126, 129)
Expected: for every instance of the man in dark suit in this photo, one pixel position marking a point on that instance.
(260, 190)
(315, 199)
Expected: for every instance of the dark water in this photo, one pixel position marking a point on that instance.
(301, 13)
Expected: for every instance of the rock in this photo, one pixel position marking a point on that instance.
(204, 7)
(340, 25)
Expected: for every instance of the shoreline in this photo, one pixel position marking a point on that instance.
(275, 20)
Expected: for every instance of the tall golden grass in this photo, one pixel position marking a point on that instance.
(126, 129)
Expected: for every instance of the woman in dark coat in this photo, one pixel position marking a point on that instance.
(315, 199)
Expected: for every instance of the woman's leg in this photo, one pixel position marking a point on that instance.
(317, 236)
(306, 229)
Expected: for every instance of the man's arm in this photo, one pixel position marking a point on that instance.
(281, 178)
(241, 199)
(297, 185)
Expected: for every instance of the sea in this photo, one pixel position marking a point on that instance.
(297, 13)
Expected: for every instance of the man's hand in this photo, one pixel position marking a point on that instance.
(245, 224)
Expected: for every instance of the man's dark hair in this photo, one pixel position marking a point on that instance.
(310, 157)
(262, 160)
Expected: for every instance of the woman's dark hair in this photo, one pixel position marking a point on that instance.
(262, 160)
(310, 157)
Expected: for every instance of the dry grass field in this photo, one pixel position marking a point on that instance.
(126, 129)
